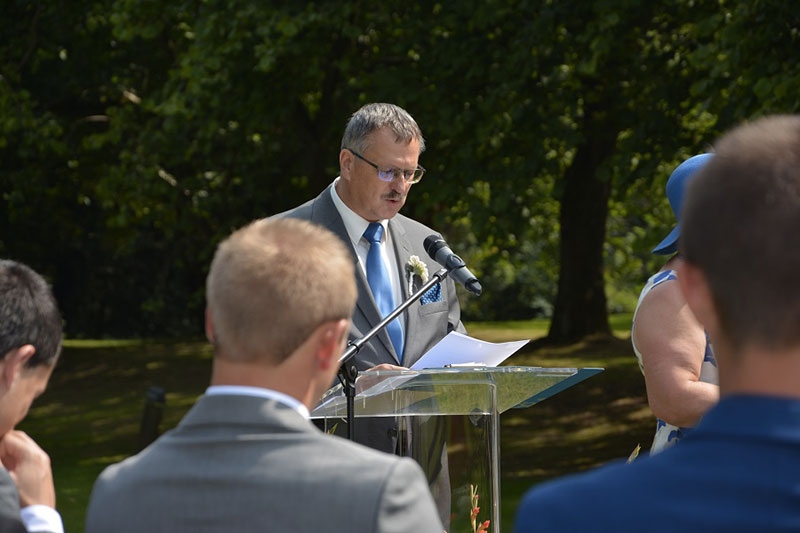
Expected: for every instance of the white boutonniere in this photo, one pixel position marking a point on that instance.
(415, 267)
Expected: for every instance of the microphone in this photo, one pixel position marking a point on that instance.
(441, 253)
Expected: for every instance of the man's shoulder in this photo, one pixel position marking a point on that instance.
(9, 503)
(408, 222)
(413, 229)
(117, 472)
(368, 467)
(626, 495)
(6, 482)
(343, 449)
(549, 492)
(306, 210)
(301, 211)
(550, 506)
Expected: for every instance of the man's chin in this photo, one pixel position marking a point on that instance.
(391, 209)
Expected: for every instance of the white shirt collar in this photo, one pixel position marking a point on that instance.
(258, 392)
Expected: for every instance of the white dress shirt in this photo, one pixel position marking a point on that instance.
(356, 226)
(38, 518)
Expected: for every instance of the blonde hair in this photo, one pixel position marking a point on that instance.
(272, 283)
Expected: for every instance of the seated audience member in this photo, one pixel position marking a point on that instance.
(30, 343)
(739, 468)
(246, 457)
(674, 353)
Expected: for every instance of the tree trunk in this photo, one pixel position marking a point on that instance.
(580, 307)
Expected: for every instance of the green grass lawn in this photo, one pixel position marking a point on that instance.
(91, 413)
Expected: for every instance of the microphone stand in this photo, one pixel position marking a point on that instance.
(348, 371)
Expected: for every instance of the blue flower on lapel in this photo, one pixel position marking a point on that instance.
(434, 294)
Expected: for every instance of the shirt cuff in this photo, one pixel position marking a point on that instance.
(41, 519)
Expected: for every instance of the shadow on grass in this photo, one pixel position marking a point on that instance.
(90, 415)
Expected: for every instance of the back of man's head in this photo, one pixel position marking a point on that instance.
(272, 283)
(28, 314)
(739, 227)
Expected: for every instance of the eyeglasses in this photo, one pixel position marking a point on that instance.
(409, 176)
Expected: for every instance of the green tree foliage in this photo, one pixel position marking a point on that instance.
(135, 134)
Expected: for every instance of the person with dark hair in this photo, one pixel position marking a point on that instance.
(739, 469)
(30, 344)
(280, 294)
(673, 350)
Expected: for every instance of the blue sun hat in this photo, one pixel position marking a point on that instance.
(676, 187)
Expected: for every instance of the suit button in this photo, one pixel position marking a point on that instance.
(392, 433)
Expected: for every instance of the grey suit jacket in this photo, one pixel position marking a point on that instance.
(10, 519)
(241, 463)
(425, 324)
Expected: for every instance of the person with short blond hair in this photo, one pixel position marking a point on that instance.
(246, 457)
(305, 275)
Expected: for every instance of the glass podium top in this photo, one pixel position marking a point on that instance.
(450, 391)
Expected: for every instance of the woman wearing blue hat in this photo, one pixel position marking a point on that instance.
(673, 349)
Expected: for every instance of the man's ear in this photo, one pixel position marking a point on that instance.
(697, 293)
(332, 340)
(209, 326)
(13, 363)
(346, 160)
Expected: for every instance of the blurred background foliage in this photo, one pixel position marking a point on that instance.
(135, 134)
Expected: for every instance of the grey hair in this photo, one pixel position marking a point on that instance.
(373, 117)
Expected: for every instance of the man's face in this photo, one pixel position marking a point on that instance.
(17, 399)
(362, 191)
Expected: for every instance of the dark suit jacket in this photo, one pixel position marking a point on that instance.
(737, 471)
(10, 519)
(243, 463)
(425, 324)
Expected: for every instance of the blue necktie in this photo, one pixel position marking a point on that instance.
(381, 285)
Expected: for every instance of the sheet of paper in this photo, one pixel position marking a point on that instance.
(453, 350)
(459, 349)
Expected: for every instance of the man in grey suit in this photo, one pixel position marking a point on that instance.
(30, 345)
(379, 162)
(280, 294)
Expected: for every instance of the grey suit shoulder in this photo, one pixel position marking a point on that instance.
(10, 519)
(249, 464)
